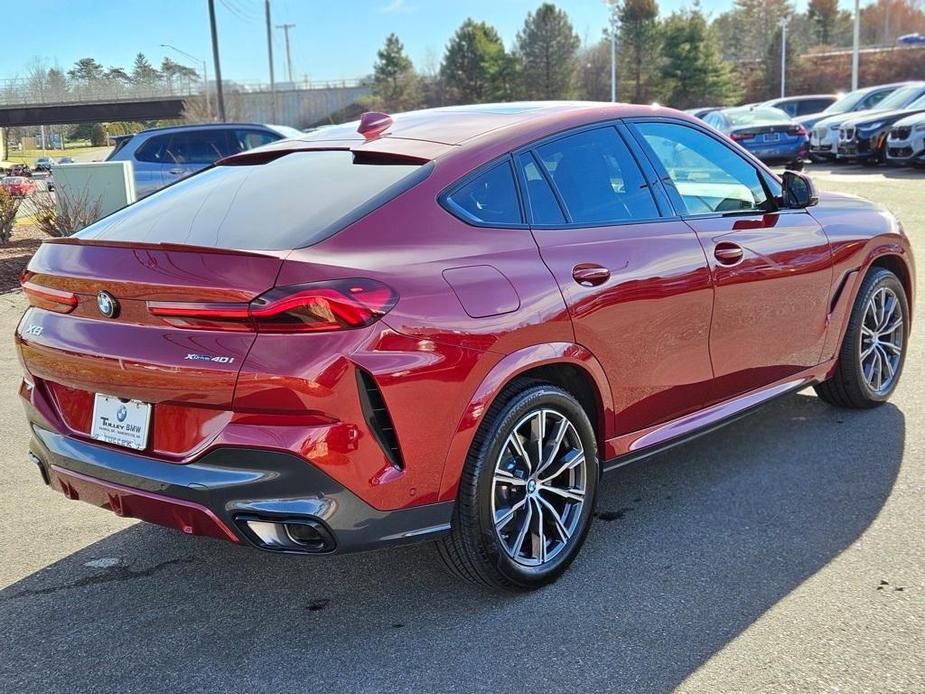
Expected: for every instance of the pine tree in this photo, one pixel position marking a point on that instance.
(475, 67)
(395, 84)
(823, 14)
(638, 45)
(694, 73)
(547, 50)
(143, 71)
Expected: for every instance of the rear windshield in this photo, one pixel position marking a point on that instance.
(757, 116)
(290, 202)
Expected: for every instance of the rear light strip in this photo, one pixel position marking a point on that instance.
(319, 307)
(50, 299)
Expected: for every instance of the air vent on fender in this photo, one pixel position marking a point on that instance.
(378, 418)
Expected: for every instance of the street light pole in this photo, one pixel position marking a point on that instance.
(855, 53)
(218, 65)
(783, 58)
(205, 75)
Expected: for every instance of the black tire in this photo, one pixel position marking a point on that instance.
(847, 386)
(473, 549)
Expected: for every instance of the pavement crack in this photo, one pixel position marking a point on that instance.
(118, 573)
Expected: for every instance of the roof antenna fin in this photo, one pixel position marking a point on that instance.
(373, 124)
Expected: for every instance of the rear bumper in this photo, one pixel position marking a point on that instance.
(218, 494)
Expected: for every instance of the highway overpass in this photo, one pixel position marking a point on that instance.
(297, 104)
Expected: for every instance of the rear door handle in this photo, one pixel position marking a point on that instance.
(590, 274)
(176, 172)
(728, 253)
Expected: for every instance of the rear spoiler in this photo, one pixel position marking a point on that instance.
(383, 150)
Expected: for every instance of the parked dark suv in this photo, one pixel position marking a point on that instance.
(163, 155)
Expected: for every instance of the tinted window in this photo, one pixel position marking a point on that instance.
(490, 197)
(708, 174)
(290, 202)
(875, 98)
(597, 178)
(543, 204)
(248, 139)
(188, 147)
(153, 150)
(812, 106)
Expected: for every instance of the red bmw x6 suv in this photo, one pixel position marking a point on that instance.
(445, 326)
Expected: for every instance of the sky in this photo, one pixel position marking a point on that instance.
(332, 40)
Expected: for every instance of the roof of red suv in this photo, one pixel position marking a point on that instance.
(429, 133)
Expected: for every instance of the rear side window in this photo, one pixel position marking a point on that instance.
(488, 198)
(188, 147)
(153, 150)
(293, 201)
(812, 106)
(597, 178)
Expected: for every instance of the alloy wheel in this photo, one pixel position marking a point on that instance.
(881, 340)
(539, 487)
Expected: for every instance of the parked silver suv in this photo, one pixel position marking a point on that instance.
(161, 156)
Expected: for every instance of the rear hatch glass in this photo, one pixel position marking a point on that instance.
(291, 201)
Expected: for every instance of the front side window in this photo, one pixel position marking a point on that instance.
(488, 198)
(708, 175)
(597, 178)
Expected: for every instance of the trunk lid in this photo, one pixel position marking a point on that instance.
(187, 375)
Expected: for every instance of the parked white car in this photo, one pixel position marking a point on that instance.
(906, 141)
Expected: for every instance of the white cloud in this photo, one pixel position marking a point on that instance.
(395, 6)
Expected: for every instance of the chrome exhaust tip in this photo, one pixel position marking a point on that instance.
(287, 534)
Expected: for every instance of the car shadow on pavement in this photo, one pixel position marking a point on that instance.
(688, 549)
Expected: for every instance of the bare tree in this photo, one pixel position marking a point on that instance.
(65, 213)
(9, 206)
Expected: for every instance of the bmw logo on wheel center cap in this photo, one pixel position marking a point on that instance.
(107, 304)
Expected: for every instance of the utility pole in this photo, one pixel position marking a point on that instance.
(270, 57)
(855, 53)
(783, 58)
(218, 65)
(286, 28)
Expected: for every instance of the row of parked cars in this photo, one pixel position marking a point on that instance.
(884, 123)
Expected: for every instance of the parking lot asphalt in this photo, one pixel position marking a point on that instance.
(784, 553)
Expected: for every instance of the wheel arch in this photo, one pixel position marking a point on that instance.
(897, 264)
(566, 365)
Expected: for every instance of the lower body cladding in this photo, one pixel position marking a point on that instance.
(822, 150)
(271, 500)
(856, 149)
(909, 151)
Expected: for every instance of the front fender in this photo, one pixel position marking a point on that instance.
(509, 368)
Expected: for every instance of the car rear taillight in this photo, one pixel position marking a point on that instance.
(797, 130)
(318, 307)
(50, 299)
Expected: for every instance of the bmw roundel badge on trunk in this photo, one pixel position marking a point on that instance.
(107, 304)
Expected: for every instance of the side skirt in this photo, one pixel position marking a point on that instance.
(649, 442)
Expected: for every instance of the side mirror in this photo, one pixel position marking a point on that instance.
(798, 190)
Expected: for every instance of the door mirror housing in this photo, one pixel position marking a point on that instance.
(798, 190)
